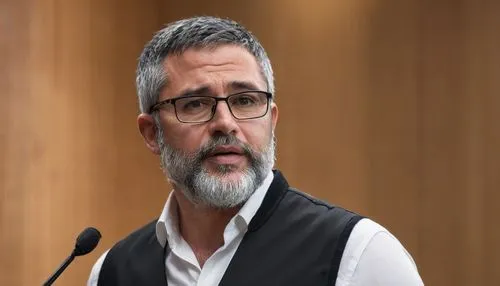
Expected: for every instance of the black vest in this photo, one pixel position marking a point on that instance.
(293, 239)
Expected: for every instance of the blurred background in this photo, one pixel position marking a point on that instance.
(390, 108)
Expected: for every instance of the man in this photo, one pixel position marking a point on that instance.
(205, 88)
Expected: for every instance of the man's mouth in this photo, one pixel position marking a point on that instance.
(226, 155)
(227, 150)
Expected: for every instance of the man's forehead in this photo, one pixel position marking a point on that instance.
(235, 67)
(218, 55)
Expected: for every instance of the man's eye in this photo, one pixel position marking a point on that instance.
(245, 101)
(195, 104)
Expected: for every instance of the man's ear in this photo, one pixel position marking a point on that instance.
(147, 127)
(274, 115)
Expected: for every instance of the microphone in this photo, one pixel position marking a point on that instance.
(85, 243)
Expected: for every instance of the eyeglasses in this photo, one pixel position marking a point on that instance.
(198, 109)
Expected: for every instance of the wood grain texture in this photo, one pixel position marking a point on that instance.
(72, 147)
(389, 108)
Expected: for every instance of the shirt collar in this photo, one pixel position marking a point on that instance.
(167, 227)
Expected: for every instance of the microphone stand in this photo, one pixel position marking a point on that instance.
(60, 270)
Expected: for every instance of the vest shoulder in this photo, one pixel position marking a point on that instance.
(297, 209)
(298, 198)
(144, 233)
(127, 260)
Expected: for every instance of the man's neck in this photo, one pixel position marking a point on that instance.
(202, 227)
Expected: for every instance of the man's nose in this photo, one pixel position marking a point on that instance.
(223, 120)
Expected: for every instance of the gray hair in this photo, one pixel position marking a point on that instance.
(197, 32)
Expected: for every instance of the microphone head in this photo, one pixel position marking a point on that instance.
(86, 241)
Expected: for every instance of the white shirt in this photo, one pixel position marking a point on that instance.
(372, 255)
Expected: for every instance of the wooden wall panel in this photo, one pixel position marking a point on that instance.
(443, 140)
(484, 69)
(13, 150)
(393, 118)
(69, 122)
(459, 65)
(387, 107)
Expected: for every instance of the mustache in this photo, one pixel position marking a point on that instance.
(209, 148)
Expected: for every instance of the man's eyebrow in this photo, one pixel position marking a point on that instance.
(202, 90)
(234, 86)
(242, 85)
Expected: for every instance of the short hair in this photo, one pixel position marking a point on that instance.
(197, 32)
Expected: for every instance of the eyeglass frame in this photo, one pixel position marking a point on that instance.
(157, 106)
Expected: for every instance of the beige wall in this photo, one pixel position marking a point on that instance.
(389, 108)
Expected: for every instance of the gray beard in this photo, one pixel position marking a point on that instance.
(203, 188)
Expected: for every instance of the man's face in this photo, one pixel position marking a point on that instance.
(221, 158)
